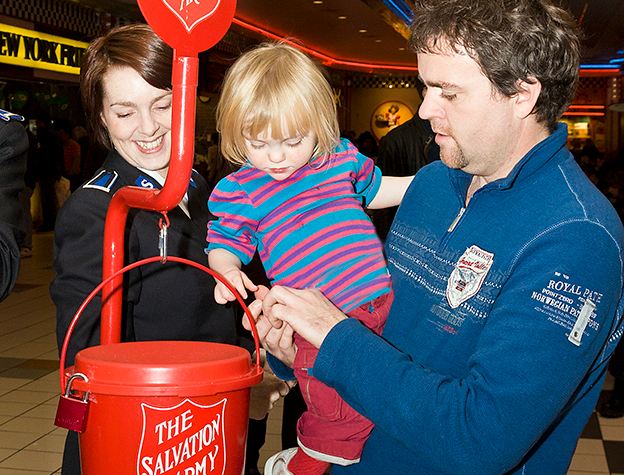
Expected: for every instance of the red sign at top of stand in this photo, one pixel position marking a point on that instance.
(189, 13)
(189, 26)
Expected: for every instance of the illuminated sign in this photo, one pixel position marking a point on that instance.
(33, 49)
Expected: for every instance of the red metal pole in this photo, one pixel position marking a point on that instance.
(184, 82)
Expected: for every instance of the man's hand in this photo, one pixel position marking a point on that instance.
(308, 312)
(277, 341)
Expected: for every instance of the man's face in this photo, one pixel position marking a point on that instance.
(476, 128)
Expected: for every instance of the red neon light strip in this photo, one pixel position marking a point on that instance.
(596, 114)
(327, 60)
(600, 70)
(589, 72)
(587, 107)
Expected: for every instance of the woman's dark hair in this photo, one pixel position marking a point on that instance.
(512, 41)
(134, 46)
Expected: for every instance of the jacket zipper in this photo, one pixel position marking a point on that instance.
(456, 220)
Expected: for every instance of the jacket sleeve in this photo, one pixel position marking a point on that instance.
(485, 422)
(78, 251)
(13, 152)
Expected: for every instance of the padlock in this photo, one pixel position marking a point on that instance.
(72, 411)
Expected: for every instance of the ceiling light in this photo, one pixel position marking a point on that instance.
(363, 31)
(317, 2)
(342, 17)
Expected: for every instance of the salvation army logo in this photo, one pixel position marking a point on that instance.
(468, 275)
(186, 439)
(191, 12)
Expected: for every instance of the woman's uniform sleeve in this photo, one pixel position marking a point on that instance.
(235, 227)
(13, 150)
(78, 247)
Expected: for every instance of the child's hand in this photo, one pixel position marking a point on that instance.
(256, 305)
(279, 342)
(237, 279)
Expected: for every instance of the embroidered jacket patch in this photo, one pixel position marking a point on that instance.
(468, 275)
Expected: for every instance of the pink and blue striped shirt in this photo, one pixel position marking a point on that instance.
(310, 230)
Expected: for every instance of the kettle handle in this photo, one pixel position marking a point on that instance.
(140, 263)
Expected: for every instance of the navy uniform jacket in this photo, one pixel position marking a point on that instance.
(13, 150)
(161, 302)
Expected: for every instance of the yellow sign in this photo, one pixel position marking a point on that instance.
(389, 115)
(33, 49)
(337, 96)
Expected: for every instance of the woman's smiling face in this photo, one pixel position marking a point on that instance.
(138, 119)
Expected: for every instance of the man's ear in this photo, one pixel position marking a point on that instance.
(526, 98)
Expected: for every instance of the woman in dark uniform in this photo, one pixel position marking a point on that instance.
(126, 92)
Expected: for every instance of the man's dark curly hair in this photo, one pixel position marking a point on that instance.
(512, 41)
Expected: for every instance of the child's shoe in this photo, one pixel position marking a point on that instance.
(278, 463)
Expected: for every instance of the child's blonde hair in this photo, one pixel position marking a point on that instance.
(275, 86)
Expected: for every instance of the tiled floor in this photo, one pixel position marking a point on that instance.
(30, 444)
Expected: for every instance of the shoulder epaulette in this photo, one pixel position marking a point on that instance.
(103, 181)
(6, 115)
(192, 182)
(145, 182)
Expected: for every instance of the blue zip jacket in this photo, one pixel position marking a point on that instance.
(496, 345)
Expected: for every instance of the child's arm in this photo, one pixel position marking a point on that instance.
(391, 191)
(229, 266)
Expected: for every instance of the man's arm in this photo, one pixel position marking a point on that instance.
(523, 374)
